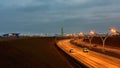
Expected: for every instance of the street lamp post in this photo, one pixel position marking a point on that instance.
(90, 37)
(113, 30)
(90, 40)
(81, 37)
(103, 38)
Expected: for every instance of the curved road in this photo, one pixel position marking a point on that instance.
(91, 59)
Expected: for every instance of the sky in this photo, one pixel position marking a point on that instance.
(48, 16)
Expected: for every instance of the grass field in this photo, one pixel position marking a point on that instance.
(33, 52)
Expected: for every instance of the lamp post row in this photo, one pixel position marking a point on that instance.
(103, 37)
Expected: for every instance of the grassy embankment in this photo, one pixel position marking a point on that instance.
(34, 52)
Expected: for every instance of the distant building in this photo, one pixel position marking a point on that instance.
(11, 35)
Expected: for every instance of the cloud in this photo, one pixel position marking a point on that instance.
(75, 14)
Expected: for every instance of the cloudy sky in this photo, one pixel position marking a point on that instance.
(47, 16)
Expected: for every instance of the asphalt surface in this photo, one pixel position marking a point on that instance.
(91, 59)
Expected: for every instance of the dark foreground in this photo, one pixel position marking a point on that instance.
(32, 52)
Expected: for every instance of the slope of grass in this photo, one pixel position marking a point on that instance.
(33, 52)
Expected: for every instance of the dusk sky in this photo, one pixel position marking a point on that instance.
(47, 16)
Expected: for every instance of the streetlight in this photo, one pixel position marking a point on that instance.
(81, 37)
(91, 32)
(81, 34)
(103, 38)
(91, 35)
(113, 30)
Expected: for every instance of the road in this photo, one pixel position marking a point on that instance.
(91, 59)
(107, 48)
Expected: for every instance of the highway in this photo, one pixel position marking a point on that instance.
(108, 48)
(91, 59)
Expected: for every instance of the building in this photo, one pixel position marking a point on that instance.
(11, 35)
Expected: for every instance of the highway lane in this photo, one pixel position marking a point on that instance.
(91, 59)
(108, 48)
